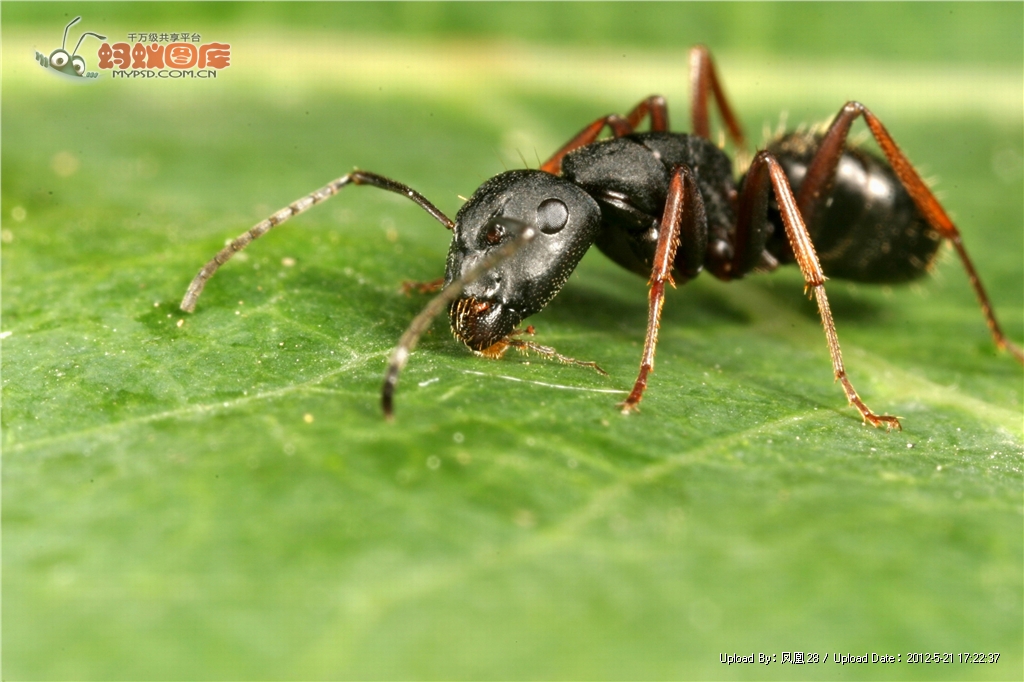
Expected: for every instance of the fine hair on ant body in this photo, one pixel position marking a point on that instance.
(666, 206)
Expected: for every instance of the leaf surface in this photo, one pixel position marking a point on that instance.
(216, 495)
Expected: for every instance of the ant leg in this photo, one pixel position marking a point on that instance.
(750, 237)
(618, 125)
(703, 78)
(765, 171)
(654, 106)
(526, 347)
(821, 173)
(683, 222)
(431, 287)
(357, 177)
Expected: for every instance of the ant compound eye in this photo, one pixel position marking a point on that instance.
(79, 65)
(59, 58)
(495, 234)
(552, 215)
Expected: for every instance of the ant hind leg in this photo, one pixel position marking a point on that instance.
(821, 172)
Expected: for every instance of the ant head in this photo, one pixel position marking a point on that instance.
(566, 220)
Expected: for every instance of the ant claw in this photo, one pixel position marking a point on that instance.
(627, 407)
(889, 422)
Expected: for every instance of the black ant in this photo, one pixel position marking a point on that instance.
(665, 206)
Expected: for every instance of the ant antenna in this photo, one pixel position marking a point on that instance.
(87, 33)
(421, 322)
(68, 28)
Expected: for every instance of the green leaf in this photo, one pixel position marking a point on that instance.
(216, 495)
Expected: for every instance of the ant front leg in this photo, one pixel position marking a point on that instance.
(765, 173)
(683, 225)
(527, 347)
(822, 171)
(357, 177)
(432, 287)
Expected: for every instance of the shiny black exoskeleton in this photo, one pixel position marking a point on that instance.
(869, 229)
(612, 194)
(568, 221)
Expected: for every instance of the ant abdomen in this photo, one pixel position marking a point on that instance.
(868, 230)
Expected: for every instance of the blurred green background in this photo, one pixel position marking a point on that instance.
(221, 499)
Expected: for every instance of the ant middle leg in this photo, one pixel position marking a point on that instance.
(820, 176)
(619, 127)
(654, 106)
(766, 174)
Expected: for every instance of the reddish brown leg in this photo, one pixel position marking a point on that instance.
(431, 287)
(526, 347)
(702, 79)
(618, 125)
(655, 107)
(764, 170)
(821, 173)
(684, 218)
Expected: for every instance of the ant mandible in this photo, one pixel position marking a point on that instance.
(665, 206)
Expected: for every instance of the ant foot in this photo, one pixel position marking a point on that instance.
(869, 416)
(1013, 349)
(878, 420)
(627, 407)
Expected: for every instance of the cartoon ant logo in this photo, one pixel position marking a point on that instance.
(69, 64)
